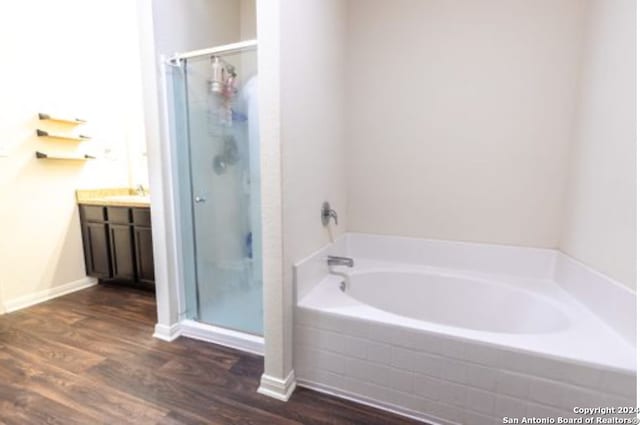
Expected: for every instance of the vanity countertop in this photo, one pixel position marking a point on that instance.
(112, 197)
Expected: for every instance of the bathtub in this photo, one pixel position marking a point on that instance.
(458, 333)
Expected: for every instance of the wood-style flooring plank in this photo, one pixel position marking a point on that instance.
(89, 358)
(43, 350)
(76, 392)
(179, 394)
(22, 406)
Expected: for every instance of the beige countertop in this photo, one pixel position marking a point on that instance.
(112, 197)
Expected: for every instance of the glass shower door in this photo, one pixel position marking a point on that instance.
(222, 163)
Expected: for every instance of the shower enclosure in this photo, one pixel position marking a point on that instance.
(212, 101)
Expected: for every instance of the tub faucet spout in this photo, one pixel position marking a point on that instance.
(339, 261)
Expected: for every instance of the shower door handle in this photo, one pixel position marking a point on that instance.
(200, 199)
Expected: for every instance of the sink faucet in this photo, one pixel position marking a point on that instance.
(333, 260)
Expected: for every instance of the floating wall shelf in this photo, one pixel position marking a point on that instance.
(70, 121)
(64, 156)
(78, 138)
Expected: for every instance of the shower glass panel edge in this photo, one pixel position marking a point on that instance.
(218, 176)
(177, 106)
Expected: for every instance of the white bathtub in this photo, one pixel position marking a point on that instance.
(458, 333)
(466, 301)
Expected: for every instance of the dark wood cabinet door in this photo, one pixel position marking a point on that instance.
(144, 254)
(96, 250)
(122, 254)
(118, 244)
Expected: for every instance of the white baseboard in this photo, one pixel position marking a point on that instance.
(47, 294)
(280, 389)
(325, 389)
(221, 336)
(167, 333)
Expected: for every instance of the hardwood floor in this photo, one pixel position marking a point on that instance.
(89, 358)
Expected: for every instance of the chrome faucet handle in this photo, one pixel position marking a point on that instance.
(326, 214)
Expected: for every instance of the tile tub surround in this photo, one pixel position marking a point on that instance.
(444, 378)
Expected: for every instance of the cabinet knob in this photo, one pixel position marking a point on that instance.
(200, 199)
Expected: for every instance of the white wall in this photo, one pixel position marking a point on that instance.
(460, 117)
(312, 34)
(248, 20)
(600, 222)
(183, 25)
(313, 120)
(60, 57)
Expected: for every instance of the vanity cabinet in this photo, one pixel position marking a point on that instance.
(118, 244)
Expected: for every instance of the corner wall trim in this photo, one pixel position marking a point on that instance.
(167, 333)
(48, 294)
(280, 389)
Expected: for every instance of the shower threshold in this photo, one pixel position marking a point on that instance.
(222, 336)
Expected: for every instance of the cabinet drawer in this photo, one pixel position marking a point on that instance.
(119, 215)
(92, 213)
(142, 216)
